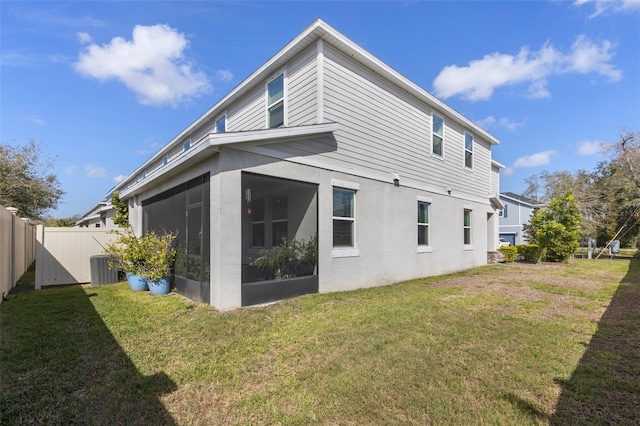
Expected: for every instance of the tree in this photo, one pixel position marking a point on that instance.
(556, 228)
(25, 181)
(61, 222)
(121, 217)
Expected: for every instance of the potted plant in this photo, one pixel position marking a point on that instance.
(159, 258)
(127, 255)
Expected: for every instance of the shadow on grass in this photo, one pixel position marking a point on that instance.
(60, 364)
(605, 386)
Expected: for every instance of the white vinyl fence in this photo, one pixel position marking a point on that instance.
(63, 254)
(17, 249)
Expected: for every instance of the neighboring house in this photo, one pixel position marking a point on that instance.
(517, 212)
(99, 216)
(322, 140)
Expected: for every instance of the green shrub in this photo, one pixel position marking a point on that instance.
(509, 253)
(528, 252)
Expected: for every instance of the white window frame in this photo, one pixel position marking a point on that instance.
(282, 73)
(350, 251)
(165, 160)
(186, 145)
(470, 151)
(425, 248)
(469, 210)
(222, 117)
(433, 134)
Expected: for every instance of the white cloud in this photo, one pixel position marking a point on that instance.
(32, 119)
(224, 75)
(70, 170)
(482, 77)
(152, 64)
(535, 160)
(589, 147)
(119, 178)
(603, 7)
(491, 121)
(508, 171)
(94, 171)
(84, 38)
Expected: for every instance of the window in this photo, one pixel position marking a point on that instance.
(275, 101)
(437, 137)
(221, 124)
(467, 226)
(279, 219)
(187, 145)
(423, 223)
(257, 223)
(343, 217)
(468, 150)
(165, 160)
(505, 211)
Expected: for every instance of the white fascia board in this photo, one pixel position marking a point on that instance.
(523, 203)
(268, 135)
(498, 165)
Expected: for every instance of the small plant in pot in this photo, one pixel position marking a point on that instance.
(160, 255)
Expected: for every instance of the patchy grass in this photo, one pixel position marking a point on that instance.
(505, 344)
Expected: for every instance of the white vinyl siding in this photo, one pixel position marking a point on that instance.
(248, 112)
(301, 89)
(396, 136)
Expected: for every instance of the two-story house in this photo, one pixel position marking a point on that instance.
(323, 140)
(517, 212)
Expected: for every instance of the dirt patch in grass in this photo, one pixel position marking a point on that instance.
(525, 293)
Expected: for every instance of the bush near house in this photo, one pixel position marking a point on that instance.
(509, 253)
(528, 252)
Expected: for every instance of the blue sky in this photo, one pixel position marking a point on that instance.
(103, 85)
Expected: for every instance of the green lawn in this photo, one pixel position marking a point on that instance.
(503, 344)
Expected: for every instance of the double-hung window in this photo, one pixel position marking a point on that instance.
(423, 223)
(437, 136)
(468, 150)
(344, 217)
(467, 226)
(275, 101)
(221, 124)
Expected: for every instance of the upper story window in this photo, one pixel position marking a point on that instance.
(165, 160)
(187, 145)
(437, 136)
(468, 150)
(423, 223)
(221, 124)
(505, 211)
(344, 218)
(467, 226)
(275, 101)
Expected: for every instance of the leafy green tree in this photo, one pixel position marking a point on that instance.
(556, 228)
(25, 180)
(62, 222)
(121, 217)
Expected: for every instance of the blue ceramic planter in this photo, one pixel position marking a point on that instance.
(159, 287)
(136, 282)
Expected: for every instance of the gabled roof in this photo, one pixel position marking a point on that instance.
(522, 199)
(317, 30)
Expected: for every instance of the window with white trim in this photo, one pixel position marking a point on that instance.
(165, 160)
(187, 145)
(344, 218)
(467, 226)
(221, 124)
(257, 223)
(279, 219)
(275, 101)
(468, 150)
(437, 135)
(423, 223)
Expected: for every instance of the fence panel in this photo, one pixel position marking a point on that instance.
(17, 249)
(63, 254)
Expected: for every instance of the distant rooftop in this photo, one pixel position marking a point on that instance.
(522, 198)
